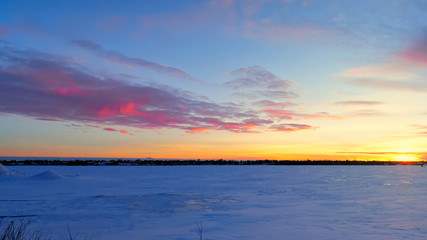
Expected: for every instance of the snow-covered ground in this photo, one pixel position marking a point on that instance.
(230, 202)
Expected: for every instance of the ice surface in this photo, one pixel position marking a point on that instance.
(231, 202)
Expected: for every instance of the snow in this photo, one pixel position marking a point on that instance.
(4, 172)
(47, 175)
(231, 202)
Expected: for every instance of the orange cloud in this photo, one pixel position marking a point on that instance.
(116, 130)
(198, 130)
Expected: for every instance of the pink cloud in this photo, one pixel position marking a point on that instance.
(49, 119)
(44, 86)
(117, 130)
(290, 127)
(93, 126)
(416, 52)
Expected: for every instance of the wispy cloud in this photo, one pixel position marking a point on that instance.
(418, 126)
(366, 113)
(408, 85)
(421, 128)
(257, 77)
(398, 72)
(268, 103)
(120, 58)
(117, 130)
(358, 103)
(290, 127)
(417, 51)
(48, 119)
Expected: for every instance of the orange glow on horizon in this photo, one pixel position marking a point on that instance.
(406, 158)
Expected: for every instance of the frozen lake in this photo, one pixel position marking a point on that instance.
(231, 202)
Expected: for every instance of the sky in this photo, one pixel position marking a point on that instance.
(229, 79)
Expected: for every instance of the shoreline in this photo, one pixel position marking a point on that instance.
(178, 162)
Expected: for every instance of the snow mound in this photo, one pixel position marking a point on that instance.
(47, 175)
(4, 172)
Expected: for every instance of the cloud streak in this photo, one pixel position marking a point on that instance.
(358, 103)
(117, 130)
(290, 127)
(408, 86)
(132, 62)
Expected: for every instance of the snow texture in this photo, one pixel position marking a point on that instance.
(231, 202)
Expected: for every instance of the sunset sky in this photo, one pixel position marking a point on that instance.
(254, 79)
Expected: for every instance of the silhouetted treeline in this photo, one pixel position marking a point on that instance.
(167, 162)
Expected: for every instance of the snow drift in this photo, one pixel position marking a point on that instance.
(47, 175)
(4, 172)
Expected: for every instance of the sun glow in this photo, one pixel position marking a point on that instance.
(406, 158)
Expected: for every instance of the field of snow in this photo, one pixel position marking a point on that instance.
(230, 202)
